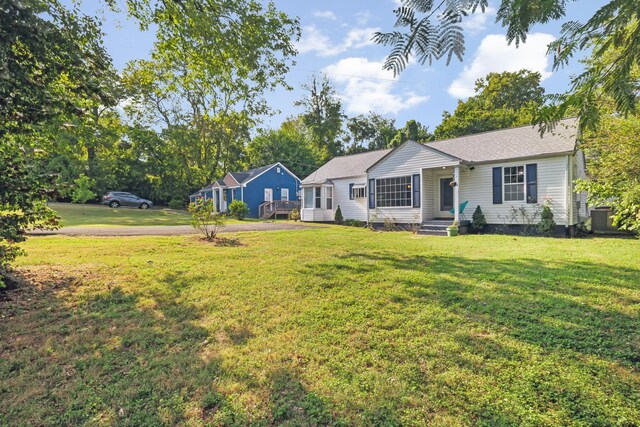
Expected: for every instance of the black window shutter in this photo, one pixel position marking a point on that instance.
(532, 183)
(416, 191)
(497, 186)
(350, 191)
(372, 193)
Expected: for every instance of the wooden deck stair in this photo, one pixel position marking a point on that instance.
(277, 207)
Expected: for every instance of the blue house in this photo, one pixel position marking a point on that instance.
(267, 190)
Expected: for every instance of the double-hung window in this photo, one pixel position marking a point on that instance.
(329, 198)
(308, 197)
(393, 192)
(318, 193)
(514, 183)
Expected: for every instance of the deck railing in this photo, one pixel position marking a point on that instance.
(278, 207)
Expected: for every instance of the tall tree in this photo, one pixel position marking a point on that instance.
(432, 30)
(502, 100)
(370, 132)
(412, 130)
(204, 87)
(323, 116)
(52, 64)
(290, 145)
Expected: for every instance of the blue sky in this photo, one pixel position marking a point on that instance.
(336, 40)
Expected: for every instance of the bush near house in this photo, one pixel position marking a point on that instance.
(478, 221)
(339, 219)
(546, 226)
(238, 209)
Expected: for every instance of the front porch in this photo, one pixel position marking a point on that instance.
(440, 194)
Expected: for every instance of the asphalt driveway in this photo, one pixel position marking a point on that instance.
(168, 230)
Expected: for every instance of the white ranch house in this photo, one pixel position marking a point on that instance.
(420, 183)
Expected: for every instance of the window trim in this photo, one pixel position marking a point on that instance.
(523, 183)
(377, 198)
(328, 191)
(362, 190)
(317, 197)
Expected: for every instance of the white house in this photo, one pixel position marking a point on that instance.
(342, 181)
(503, 171)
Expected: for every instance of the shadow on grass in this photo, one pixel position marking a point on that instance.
(483, 319)
(572, 305)
(126, 359)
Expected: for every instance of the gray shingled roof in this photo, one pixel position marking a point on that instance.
(345, 166)
(248, 174)
(512, 143)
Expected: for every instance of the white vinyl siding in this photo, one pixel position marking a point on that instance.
(312, 196)
(410, 159)
(476, 187)
(351, 209)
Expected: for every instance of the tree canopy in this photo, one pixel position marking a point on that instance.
(502, 100)
(430, 30)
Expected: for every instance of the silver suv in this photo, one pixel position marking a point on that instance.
(116, 199)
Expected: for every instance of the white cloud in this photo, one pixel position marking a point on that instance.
(314, 40)
(362, 17)
(367, 87)
(477, 22)
(326, 14)
(495, 55)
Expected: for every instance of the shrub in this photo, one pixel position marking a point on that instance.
(388, 224)
(205, 218)
(238, 209)
(294, 215)
(547, 226)
(478, 220)
(176, 203)
(354, 223)
(339, 219)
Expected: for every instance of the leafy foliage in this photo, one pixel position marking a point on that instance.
(294, 215)
(238, 209)
(502, 100)
(414, 131)
(546, 226)
(54, 69)
(430, 29)
(82, 191)
(478, 221)
(22, 202)
(370, 132)
(323, 117)
(205, 218)
(433, 31)
(289, 145)
(613, 169)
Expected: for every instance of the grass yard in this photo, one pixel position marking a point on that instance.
(325, 326)
(73, 215)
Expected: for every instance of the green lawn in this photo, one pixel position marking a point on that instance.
(324, 326)
(73, 215)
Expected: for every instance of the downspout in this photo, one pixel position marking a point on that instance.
(569, 192)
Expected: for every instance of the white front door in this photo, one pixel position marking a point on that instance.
(268, 194)
(284, 194)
